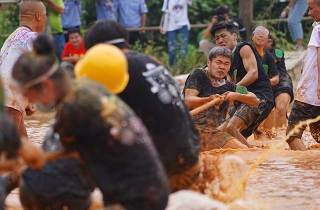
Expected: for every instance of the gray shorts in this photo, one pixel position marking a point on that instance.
(253, 116)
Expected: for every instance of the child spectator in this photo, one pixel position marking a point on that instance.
(74, 49)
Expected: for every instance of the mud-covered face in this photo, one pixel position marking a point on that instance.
(219, 67)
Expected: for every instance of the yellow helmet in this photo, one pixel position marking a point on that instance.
(105, 64)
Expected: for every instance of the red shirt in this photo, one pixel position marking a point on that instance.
(70, 50)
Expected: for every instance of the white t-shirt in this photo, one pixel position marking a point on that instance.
(18, 42)
(308, 83)
(177, 13)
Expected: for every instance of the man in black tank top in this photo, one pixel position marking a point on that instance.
(246, 70)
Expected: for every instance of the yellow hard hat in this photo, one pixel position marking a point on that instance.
(105, 64)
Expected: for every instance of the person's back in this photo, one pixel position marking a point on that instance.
(115, 147)
(153, 94)
(32, 20)
(163, 111)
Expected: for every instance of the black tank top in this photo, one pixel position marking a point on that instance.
(261, 87)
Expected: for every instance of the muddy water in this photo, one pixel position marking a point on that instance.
(285, 180)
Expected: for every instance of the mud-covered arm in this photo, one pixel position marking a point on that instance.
(192, 99)
(250, 98)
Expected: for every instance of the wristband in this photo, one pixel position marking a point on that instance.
(241, 89)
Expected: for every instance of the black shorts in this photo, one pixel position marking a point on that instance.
(279, 90)
(253, 116)
(301, 112)
(284, 86)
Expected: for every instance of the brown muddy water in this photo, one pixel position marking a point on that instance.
(282, 179)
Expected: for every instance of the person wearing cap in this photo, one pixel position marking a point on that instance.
(155, 97)
(306, 106)
(32, 20)
(95, 126)
(283, 91)
(246, 70)
(205, 85)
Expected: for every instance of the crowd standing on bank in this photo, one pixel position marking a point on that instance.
(122, 124)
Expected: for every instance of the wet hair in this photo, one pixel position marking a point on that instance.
(219, 51)
(229, 26)
(74, 31)
(221, 10)
(32, 65)
(106, 30)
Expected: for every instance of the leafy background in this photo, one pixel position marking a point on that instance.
(155, 43)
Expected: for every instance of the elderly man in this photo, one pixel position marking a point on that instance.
(32, 20)
(307, 102)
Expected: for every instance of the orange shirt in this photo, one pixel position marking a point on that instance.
(70, 50)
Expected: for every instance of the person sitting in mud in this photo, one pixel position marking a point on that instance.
(283, 91)
(246, 70)
(110, 140)
(208, 84)
(155, 97)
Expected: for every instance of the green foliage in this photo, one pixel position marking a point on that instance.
(194, 59)
(154, 43)
(8, 21)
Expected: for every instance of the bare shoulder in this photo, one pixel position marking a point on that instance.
(246, 51)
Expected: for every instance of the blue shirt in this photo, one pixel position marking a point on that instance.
(71, 16)
(106, 10)
(130, 11)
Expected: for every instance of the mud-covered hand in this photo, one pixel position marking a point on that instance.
(231, 97)
(219, 100)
